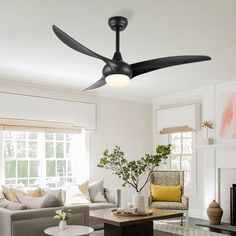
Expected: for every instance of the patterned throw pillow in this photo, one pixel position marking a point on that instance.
(11, 192)
(84, 189)
(35, 192)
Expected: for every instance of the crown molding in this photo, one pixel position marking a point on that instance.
(190, 94)
(11, 86)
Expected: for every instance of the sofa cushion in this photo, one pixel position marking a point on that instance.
(96, 191)
(15, 206)
(100, 205)
(48, 200)
(169, 205)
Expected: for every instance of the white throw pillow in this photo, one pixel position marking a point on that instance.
(99, 198)
(74, 196)
(96, 191)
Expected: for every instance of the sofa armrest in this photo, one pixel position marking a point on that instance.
(185, 201)
(113, 195)
(5, 221)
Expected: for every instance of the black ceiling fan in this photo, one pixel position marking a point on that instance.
(116, 72)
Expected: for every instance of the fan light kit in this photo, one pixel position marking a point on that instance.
(117, 73)
(117, 80)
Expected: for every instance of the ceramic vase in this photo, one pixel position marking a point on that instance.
(62, 224)
(139, 201)
(208, 141)
(214, 213)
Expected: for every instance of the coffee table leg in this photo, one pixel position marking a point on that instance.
(142, 229)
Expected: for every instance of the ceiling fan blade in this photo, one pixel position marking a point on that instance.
(159, 63)
(72, 43)
(98, 84)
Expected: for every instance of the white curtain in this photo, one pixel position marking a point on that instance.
(80, 162)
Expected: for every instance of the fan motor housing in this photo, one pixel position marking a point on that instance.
(120, 68)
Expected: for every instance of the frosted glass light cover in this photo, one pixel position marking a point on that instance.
(117, 80)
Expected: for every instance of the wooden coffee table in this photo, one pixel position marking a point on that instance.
(131, 225)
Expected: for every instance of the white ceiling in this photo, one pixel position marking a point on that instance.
(30, 52)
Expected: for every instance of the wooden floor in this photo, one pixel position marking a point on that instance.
(193, 222)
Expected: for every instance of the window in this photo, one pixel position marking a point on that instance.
(58, 159)
(35, 158)
(182, 157)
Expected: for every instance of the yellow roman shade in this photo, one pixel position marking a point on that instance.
(38, 126)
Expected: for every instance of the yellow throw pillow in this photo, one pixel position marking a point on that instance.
(10, 193)
(166, 193)
(35, 192)
(84, 189)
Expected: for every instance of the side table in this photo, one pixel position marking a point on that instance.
(70, 230)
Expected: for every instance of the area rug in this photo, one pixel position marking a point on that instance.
(156, 233)
(222, 226)
(181, 230)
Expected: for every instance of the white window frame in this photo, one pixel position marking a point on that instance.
(190, 189)
(41, 152)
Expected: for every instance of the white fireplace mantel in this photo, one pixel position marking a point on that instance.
(212, 146)
(220, 159)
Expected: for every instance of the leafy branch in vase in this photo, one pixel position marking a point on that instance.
(132, 172)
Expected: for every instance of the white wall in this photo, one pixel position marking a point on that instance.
(206, 178)
(119, 122)
(131, 125)
(123, 123)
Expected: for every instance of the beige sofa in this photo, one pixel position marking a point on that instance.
(113, 197)
(33, 222)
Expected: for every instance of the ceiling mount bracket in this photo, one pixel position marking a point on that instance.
(119, 22)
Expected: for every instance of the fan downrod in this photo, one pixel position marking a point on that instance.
(119, 22)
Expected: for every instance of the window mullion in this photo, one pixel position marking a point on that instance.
(41, 154)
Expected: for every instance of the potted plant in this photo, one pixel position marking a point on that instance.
(62, 216)
(135, 174)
